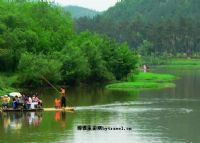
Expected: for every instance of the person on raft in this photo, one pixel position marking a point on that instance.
(5, 101)
(63, 98)
(57, 103)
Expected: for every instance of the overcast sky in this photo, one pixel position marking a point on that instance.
(99, 5)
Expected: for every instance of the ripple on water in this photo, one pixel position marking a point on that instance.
(132, 107)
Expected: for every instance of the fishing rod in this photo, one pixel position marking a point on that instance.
(55, 88)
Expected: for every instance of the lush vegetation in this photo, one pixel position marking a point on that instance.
(155, 28)
(144, 81)
(78, 12)
(38, 40)
(6, 82)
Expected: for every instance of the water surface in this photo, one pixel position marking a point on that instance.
(158, 116)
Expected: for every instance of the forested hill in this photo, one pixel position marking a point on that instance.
(154, 10)
(78, 12)
(153, 27)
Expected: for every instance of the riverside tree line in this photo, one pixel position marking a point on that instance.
(37, 39)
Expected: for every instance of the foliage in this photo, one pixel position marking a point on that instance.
(145, 48)
(156, 59)
(37, 40)
(91, 57)
(75, 67)
(4, 91)
(91, 47)
(33, 69)
(6, 81)
(36, 27)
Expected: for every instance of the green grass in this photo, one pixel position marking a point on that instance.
(145, 81)
(152, 77)
(183, 64)
(140, 85)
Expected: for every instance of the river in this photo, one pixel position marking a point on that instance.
(157, 116)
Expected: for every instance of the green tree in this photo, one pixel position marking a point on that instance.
(33, 68)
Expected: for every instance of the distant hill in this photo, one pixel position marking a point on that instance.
(169, 26)
(153, 10)
(78, 12)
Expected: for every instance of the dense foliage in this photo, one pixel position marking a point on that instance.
(37, 40)
(171, 26)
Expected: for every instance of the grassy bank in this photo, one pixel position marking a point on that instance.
(139, 85)
(183, 64)
(6, 82)
(145, 81)
(151, 77)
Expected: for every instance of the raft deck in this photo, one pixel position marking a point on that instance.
(67, 109)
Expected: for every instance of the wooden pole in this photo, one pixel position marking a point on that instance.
(55, 88)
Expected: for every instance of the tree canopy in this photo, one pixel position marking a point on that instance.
(172, 26)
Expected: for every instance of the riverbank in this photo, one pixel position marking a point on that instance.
(182, 64)
(145, 81)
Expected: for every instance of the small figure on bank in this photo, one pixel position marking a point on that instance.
(144, 68)
(63, 98)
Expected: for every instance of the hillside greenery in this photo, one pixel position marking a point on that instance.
(154, 28)
(38, 40)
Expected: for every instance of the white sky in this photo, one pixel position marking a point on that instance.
(99, 5)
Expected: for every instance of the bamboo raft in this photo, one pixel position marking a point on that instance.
(67, 109)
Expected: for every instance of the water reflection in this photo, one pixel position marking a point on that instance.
(18, 120)
(60, 117)
(33, 118)
(15, 121)
(12, 121)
